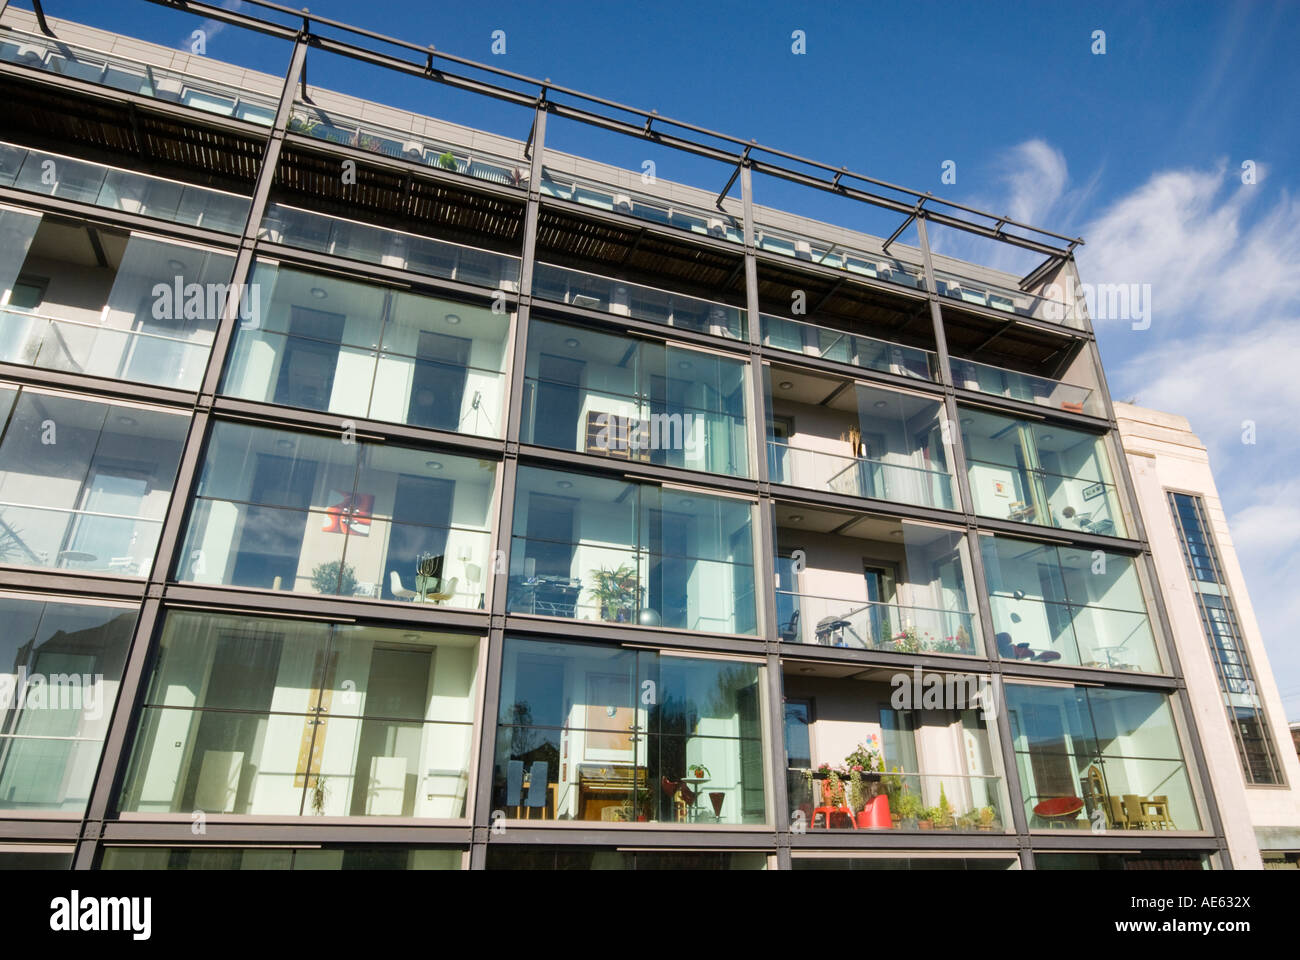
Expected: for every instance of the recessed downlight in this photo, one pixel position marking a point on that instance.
(571, 343)
(319, 293)
(452, 319)
(880, 404)
(564, 484)
(796, 517)
(786, 384)
(127, 421)
(433, 464)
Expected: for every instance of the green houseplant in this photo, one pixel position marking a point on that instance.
(334, 577)
(943, 817)
(927, 818)
(985, 818)
(447, 160)
(909, 809)
(615, 592)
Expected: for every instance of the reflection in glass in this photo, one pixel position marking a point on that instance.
(60, 663)
(1068, 605)
(327, 343)
(1108, 756)
(1040, 473)
(635, 400)
(249, 716)
(280, 510)
(594, 548)
(580, 739)
(84, 484)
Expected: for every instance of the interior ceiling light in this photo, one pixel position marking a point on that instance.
(452, 319)
(785, 384)
(318, 293)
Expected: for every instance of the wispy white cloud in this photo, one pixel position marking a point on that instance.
(1223, 262)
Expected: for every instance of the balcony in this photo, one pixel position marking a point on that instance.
(1099, 758)
(333, 127)
(640, 302)
(1040, 473)
(364, 350)
(921, 765)
(1013, 385)
(1015, 303)
(54, 175)
(1054, 604)
(383, 247)
(90, 300)
(874, 266)
(84, 484)
(635, 400)
(665, 213)
(839, 436)
(116, 72)
(826, 343)
(867, 582)
(605, 549)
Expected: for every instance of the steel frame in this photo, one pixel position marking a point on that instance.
(101, 825)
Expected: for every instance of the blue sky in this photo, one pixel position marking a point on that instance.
(1138, 150)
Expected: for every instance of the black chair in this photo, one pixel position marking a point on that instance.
(790, 632)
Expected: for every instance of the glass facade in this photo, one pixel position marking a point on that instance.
(328, 858)
(1040, 473)
(308, 513)
(354, 349)
(611, 735)
(84, 484)
(636, 400)
(147, 313)
(609, 511)
(296, 718)
(1100, 758)
(594, 548)
(1070, 606)
(60, 665)
(1236, 675)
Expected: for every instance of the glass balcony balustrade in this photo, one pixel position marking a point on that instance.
(1014, 385)
(826, 343)
(134, 76)
(54, 175)
(621, 298)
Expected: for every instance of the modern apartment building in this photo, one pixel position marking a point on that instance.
(1225, 666)
(376, 491)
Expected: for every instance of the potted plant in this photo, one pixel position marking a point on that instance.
(907, 641)
(985, 817)
(910, 810)
(318, 795)
(334, 577)
(615, 592)
(857, 798)
(943, 818)
(927, 817)
(698, 770)
(447, 160)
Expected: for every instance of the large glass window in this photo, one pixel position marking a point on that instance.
(328, 343)
(108, 303)
(350, 857)
(84, 484)
(309, 513)
(1068, 605)
(1094, 758)
(636, 400)
(872, 583)
(254, 716)
(613, 735)
(594, 548)
(389, 248)
(1246, 715)
(60, 664)
(1040, 473)
(826, 433)
(911, 751)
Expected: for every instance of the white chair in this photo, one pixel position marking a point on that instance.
(395, 584)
